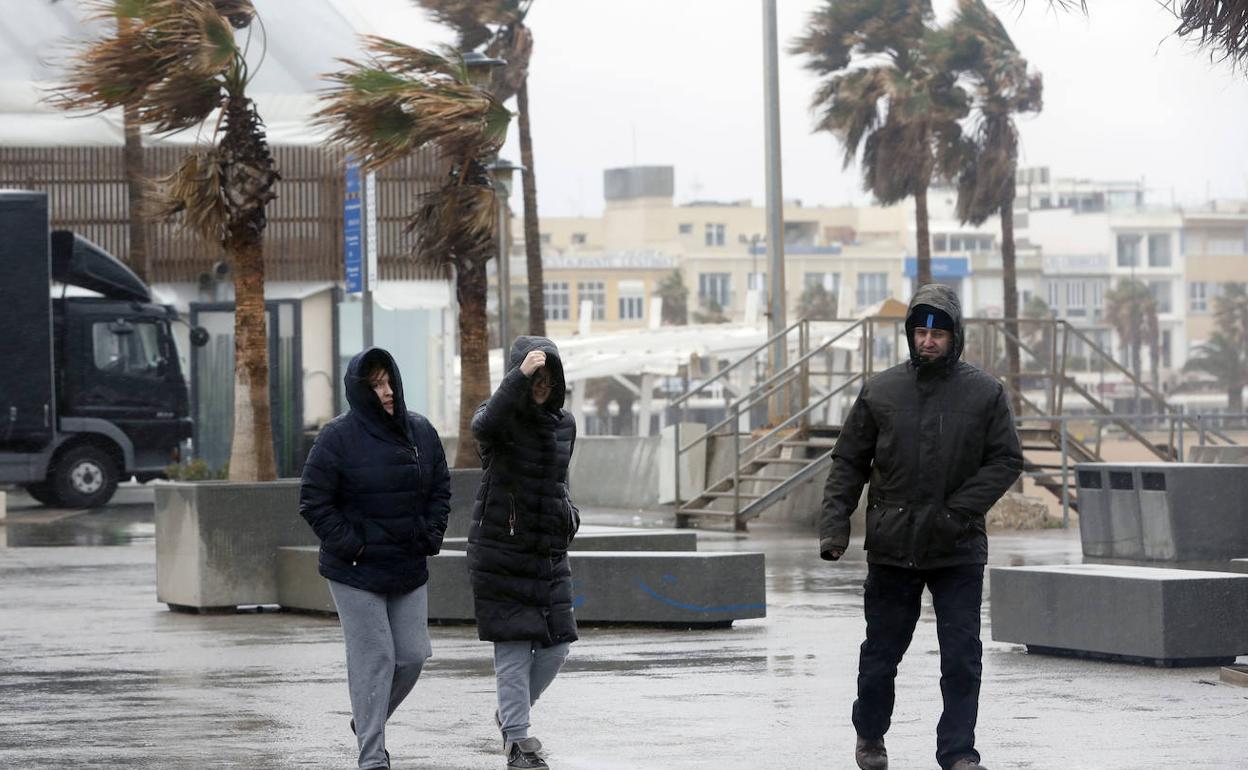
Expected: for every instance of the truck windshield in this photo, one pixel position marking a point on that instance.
(135, 353)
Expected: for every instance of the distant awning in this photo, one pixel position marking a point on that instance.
(942, 267)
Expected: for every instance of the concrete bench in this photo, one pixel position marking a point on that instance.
(669, 588)
(592, 538)
(1163, 617)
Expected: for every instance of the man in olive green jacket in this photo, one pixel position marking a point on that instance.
(936, 439)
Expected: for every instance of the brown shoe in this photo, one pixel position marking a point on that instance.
(967, 763)
(871, 754)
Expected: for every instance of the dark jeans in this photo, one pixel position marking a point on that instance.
(891, 603)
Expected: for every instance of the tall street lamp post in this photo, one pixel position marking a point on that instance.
(503, 171)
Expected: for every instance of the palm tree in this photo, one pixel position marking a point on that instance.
(171, 64)
(1131, 309)
(675, 296)
(501, 24)
(817, 304)
(979, 47)
(1224, 358)
(883, 92)
(401, 100)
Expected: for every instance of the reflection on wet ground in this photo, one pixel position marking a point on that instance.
(95, 673)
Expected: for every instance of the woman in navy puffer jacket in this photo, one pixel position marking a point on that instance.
(377, 492)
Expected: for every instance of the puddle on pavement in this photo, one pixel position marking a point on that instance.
(38, 527)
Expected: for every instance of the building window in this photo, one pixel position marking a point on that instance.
(715, 287)
(940, 243)
(1224, 247)
(831, 282)
(1166, 342)
(1076, 298)
(1054, 296)
(872, 288)
(1198, 297)
(557, 300)
(1128, 251)
(715, 234)
(595, 291)
(685, 228)
(1161, 293)
(578, 239)
(544, 238)
(1159, 250)
(632, 300)
(1098, 299)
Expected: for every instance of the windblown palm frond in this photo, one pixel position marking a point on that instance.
(456, 222)
(400, 99)
(194, 189)
(1221, 24)
(174, 64)
(473, 19)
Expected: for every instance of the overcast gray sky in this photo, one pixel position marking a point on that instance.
(679, 82)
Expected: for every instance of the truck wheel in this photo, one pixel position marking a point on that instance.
(84, 477)
(42, 494)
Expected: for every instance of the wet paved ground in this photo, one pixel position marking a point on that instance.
(95, 673)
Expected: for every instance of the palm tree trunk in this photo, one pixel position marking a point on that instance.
(474, 356)
(248, 179)
(532, 230)
(251, 454)
(1009, 279)
(132, 167)
(923, 274)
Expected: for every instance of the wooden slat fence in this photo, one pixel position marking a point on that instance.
(303, 242)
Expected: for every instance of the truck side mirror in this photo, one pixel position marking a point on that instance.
(121, 327)
(199, 336)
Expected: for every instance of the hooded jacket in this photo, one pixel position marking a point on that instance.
(938, 443)
(523, 520)
(376, 482)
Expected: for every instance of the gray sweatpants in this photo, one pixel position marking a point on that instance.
(388, 642)
(522, 672)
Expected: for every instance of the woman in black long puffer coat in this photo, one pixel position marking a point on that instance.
(377, 492)
(522, 524)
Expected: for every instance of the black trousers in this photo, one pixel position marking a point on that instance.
(891, 603)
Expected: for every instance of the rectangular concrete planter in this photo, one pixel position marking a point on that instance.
(678, 588)
(217, 541)
(1138, 614)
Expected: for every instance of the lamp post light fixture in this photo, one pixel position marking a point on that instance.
(480, 67)
(502, 171)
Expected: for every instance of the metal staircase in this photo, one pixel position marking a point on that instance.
(779, 427)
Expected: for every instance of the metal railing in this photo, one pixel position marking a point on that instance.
(1046, 389)
(1174, 425)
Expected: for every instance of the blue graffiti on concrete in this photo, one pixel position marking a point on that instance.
(692, 607)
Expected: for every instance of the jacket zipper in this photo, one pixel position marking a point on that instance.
(511, 519)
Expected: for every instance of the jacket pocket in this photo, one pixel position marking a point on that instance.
(948, 530)
(888, 530)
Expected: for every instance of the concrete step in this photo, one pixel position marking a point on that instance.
(1167, 617)
(686, 589)
(704, 512)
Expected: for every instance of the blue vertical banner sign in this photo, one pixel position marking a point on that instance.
(352, 228)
